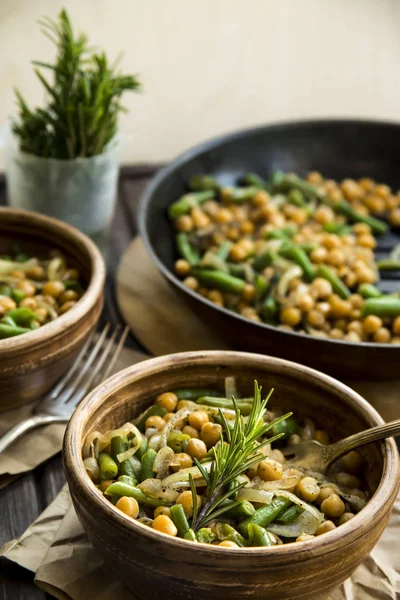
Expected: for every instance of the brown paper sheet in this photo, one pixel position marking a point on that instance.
(170, 326)
(66, 565)
(47, 441)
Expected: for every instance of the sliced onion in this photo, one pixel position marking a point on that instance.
(174, 423)
(286, 278)
(157, 489)
(182, 476)
(254, 495)
(290, 478)
(8, 266)
(92, 468)
(154, 441)
(395, 253)
(56, 268)
(136, 444)
(307, 507)
(308, 430)
(162, 462)
(150, 431)
(50, 309)
(103, 439)
(305, 523)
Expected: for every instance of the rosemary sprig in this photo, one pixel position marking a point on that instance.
(232, 457)
(81, 116)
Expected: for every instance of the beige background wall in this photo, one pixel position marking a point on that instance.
(210, 66)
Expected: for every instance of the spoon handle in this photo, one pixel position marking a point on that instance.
(364, 437)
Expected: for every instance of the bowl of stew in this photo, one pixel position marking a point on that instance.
(51, 295)
(285, 239)
(141, 455)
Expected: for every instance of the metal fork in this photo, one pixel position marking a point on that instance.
(88, 370)
(316, 457)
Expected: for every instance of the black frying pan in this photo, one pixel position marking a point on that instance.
(338, 149)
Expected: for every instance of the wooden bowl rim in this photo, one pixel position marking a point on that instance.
(325, 544)
(91, 295)
(211, 144)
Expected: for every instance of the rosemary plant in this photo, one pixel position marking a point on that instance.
(232, 456)
(81, 116)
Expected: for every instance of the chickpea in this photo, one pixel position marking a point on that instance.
(191, 283)
(248, 311)
(129, 506)
(320, 288)
(319, 255)
(18, 274)
(248, 292)
(196, 448)
(294, 439)
(71, 275)
(68, 296)
(41, 314)
(395, 340)
(321, 436)
(228, 544)
(331, 241)
(382, 190)
(184, 223)
(200, 219)
(167, 400)
(105, 484)
(365, 274)
(304, 537)
(269, 470)
(339, 307)
(351, 189)
(66, 307)
(211, 433)
(325, 527)
(186, 499)
(347, 480)
(315, 178)
(323, 307)
(396, 326)
(308, 489)
(37, 273)
(191, 431)
(277, 455)
(182, 267)
(224, 215)
(299, 216)
(7, 304)
(372, 324)
(324, 214)
(53, 288)
(181, 461)
(290, 316)
(375, 204)
(357, 327)
(28, 303)
(367, 184)
(305, 302)
(162, 510)
(185, 403)
(247, 226)
(156, 422)
(382, 336)
(260, 198)
(232, 234)
(315, 318)
(324, 493)
(238, 253)
(366, 240)
(333, 506)
(336, 334)
(356, 300)
(28, 288)
(165, 524)
(168, 416)
(197, 419)
(394, 217)
(346, 516)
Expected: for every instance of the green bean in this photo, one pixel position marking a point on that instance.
(244, 509)
(290, 514)
(227, 532)
(5, 290)
(22, 257)
(263, 516)
(190, 535)
(194, 393)
(17, 295)
(107, 465)
(224, 249)
(73, 284)
(22, 315)
(263, 260)
(211, 260)
(118, 445)
(258, 536)
(337, 284)
(123, 489)
(7, 320)
(256, 181)
(185, 249)
(308, 246)
(7, 331)
(205, 536)
(128, 480)
(187, 202)
(179, 518)
(277, 234)
(139, 454)
(299, 256)
(244, 407)
(296, 198)
(338, 228)
(269, 309)
(287, 427)
(147, 461)
(237, 194)
(221, 281)
(262, 286)
(282, 182)
(201, 183)
(386, 306)
(344, 208)
(367, 290)
(389, 264)
(177, 441)
(154, 411)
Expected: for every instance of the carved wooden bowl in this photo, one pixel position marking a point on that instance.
(159, 567)
(31, 363)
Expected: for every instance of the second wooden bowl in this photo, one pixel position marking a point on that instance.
(156, 566)
(30, 364)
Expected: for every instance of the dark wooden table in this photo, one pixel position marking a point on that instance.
(22, 501)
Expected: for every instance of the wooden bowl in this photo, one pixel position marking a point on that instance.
(156, 566)
(30, 364)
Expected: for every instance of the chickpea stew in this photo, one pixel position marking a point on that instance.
(210, 469)
(291, 252)
(35, 291)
